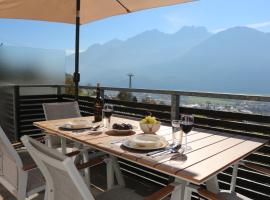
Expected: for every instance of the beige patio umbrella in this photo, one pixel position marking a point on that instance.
(76, 12)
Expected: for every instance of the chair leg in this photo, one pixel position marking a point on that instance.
(110, 173)
(64, 145)
(22, 185)
(46, 194)
(48, 141)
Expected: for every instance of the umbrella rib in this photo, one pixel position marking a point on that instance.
(128, 11)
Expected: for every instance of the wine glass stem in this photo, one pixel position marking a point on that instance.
(186, 142)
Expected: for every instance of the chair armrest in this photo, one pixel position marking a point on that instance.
(208, 195)
(257, 168)
(17, 145)
(161, 194)
(90, 163)
(29, 167)
(73, 153)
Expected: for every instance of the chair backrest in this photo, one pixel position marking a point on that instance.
(63, 110)
(10, 163)
(63, 181)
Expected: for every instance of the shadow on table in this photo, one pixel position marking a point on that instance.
(120, 133)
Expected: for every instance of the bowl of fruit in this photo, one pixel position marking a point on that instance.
(149, 125)
(121, 129)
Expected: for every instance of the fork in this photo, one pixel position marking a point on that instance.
(172, 149)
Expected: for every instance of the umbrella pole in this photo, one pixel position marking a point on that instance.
(76, 75)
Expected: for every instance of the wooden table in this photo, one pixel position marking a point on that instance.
(211, 152)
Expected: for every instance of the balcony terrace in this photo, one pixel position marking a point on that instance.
(21, 105)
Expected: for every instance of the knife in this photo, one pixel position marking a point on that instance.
(160, 150)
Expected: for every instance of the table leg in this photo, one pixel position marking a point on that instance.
(179, 190)
(110, 173)
(234, 176)
(188, 192)
(212, 185)
(86, 170)
(113, 170)
(117, 171)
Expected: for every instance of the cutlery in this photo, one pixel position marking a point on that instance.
(160, 150)
(95, 128)
(117, 141)
(170, 149)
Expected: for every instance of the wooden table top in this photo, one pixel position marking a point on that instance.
(211, 151)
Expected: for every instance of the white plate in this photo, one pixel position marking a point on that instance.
(146, 142)
(117, 131)
(74, 126)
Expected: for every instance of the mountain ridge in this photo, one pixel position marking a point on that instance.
(226, 61)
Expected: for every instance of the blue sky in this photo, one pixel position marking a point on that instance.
(215, 15)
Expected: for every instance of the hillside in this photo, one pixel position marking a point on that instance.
(234, 60)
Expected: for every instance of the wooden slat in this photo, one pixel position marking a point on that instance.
(220, 161)
(46, 96)
(197, 141)
(143, 112)
(226, 115)
(247, 174)
(257, 168)
(207, 194)
(259, 158)
(90, 163)
(235, 132)
(184, 161)
(233, 125)
(131, 104)
(161, 194)
(37, 101)
(211, 151)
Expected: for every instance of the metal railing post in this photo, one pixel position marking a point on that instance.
(175, 101)
(16, 96)
(102, 92)
(59, 92)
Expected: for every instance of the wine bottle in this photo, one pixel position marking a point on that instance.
(98, 106)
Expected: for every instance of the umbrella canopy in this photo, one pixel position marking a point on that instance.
(65, 10)
(76, 12)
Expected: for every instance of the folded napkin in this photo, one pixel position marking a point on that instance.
(147, 141)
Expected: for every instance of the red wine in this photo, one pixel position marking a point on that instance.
(107, 113)
(98, 106)
(186, 126)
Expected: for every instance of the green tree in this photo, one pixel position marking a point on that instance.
(69, 81)
(125, 96)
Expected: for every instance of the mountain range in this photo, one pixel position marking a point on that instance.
(233, 60)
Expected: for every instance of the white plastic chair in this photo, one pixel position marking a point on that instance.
(63, 110)
(63, 181)
(18, 172)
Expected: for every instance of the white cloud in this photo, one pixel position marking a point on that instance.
(259, 25)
